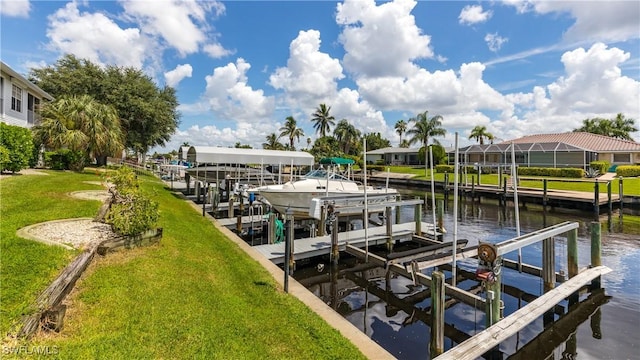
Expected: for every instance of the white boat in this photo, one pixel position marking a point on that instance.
(320, 183)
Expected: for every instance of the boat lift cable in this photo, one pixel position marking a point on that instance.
(433, 194)
(514, 183)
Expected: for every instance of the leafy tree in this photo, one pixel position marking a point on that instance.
(401, 128)
(404, 143)
(323, 120)
(272, 142)
(326, 146)
(80, 124)
(242, 146)
(619, 127)
(480, 133)
(147, 113)
(375, 141)
(439, 154)
(622, 127)
(347, 135)
(291, 130)
(16, 145)
(425, 128)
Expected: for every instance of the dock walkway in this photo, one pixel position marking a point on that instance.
(321, 245)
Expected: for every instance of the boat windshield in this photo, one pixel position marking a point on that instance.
(322, 174)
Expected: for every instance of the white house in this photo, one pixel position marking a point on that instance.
(20, 99)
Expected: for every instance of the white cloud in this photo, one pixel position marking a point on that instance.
(176, 75)
(182, 24)
(15, 8)
(473, 14)
(495, 41)
(216, 50)
(231, 98)
(310, 75)
(381, 40)
(609, 21)
(95, 37)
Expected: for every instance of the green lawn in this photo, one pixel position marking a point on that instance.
(631, 186)
(195, 295)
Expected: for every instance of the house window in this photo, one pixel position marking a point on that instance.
(622, 158)
(16, 99)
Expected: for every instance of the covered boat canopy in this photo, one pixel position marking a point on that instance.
(222, 155)
(337, 161)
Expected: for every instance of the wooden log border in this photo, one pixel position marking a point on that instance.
(50, 310)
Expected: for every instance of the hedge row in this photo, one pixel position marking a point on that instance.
(601, 166)
(553, 172)
(628, 170)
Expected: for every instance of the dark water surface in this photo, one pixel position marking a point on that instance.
(395, 315)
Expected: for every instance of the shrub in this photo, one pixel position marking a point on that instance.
(554, 172)
(63, 159)
(18, 143)
(628, 170)
(601, 166)
(444, 168)
(131, 211)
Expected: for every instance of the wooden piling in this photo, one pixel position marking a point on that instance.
(473, 188)
(271, 235)
(290, 237)
(596, 250)
(323, 221)
(239, 223)
(548, 264)
(436, 346)
(440, 214)
(335, 253)
(493, 300)
(545, 197)
(231, 209)
(389, 224)
(620, 194)
(418, 218)
(609, 203)
(398, 219)
(572, 252)
(596, 200)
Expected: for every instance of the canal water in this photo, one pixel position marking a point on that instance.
(395, 314)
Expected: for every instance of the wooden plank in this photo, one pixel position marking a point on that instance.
(321, 245)
(507, 327)
(460, 294)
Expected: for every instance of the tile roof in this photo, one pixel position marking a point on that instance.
(584, 140)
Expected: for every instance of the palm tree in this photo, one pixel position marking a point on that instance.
(401, 128)
(291, 130)
(621, 127)
(83, 125)
(308, 142)
(186, 144)
(346, 134)
(322, 120)
(272, 142)
(480, 133)
(423, 129)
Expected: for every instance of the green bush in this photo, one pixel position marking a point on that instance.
(444, 168)
(601, 166)
(63, 159)
(5, 159)
(628, 170)
(18, 142)
(132, 212)
(552, 172)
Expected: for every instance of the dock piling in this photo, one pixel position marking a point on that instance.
(609, 203)
(335, 253)
(548, 264)
(389, 224)
(596, 250)
(440, 213)
(620, 194)
(436, 346)
(596, 200)
(418, 218)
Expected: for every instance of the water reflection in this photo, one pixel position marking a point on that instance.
(395, 312)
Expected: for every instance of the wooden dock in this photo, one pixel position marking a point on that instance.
(321, 245)
(491, 337)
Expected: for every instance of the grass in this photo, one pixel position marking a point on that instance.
(195, 295)
(631, 186)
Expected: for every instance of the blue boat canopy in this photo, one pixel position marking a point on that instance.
(337, 161)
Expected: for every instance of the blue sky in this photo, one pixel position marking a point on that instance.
(241, 67)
